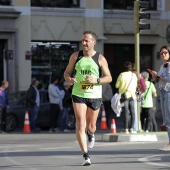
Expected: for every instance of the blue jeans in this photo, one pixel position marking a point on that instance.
(165, 106)
(64, 116)
(33, 117)
(135, 127)
(129, 110)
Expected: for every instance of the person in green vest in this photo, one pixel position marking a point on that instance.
(148, 120)
(91, 71)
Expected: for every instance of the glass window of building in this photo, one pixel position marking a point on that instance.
(50, 59)
(5, 2)
(126, 4)
(56, 3)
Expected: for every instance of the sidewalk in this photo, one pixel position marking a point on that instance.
(138, 137)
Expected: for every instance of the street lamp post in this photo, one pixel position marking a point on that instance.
(139, 15)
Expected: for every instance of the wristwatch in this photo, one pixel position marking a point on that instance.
(98, 80)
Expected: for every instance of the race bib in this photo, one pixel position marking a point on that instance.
(86, 87)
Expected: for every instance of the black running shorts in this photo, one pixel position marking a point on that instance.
(94, 104)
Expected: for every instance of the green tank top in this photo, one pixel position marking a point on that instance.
(83, 67)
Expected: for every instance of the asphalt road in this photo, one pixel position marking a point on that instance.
(60, 151)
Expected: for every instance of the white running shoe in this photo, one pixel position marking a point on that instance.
(91, 140)
(66, 130)
(86, 161)
(165, 148)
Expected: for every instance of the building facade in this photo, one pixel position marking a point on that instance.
(37, 37)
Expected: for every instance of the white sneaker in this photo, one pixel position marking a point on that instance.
(66, 130)
(86, 161)
(165, 148)
(134, 132)
(125, 131)
(91, 140)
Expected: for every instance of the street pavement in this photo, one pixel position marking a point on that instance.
(60, 151)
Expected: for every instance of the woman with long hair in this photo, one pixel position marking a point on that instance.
(163, 79)
(127, 83)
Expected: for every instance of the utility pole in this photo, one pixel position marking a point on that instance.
(139, 15)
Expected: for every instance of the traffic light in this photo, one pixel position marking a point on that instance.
(140, 14)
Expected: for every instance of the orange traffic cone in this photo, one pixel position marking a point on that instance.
(26, 123)
(103, 124)
(113, 127)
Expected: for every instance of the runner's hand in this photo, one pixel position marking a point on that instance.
(91, 79)
(72, 81)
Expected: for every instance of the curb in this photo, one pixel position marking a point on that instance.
(139, 137)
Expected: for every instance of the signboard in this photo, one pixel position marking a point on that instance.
(28, 55)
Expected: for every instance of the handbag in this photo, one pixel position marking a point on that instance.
(123, 96)
(142, 98)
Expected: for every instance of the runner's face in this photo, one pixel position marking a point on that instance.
(88, 42)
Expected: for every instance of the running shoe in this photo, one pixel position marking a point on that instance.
(86, 160)
(91, 140)
(165, 148)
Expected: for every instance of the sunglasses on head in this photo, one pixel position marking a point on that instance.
(161, 53)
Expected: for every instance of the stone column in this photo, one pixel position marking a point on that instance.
(94, 20)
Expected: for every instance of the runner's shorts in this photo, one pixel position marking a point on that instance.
(94, 104)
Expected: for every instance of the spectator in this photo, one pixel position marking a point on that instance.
(107, 95)
(142, 83)
(66, 107)
(3, 105)
(147, 115)
(127, 84)
(163, 79)
(141, 87)
(54, 97)
(33, 101)
(62, 93)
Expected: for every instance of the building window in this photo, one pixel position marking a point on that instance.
(5, 2)
(126, 4)
(56, 3)
(50, 59)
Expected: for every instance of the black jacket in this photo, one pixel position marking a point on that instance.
(31, 96)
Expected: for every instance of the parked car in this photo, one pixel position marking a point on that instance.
(17, 109)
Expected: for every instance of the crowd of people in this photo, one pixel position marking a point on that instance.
(86, 82)
(131, 89)
(137, 89)
(59, 108)
(58, 91)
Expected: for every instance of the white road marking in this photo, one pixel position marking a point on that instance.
(15, 151)
(18, 164)
(17, 146)
(146, 160)
(54, 148)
